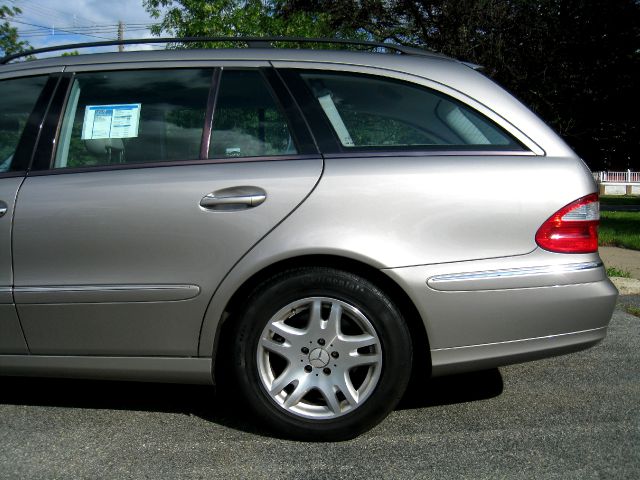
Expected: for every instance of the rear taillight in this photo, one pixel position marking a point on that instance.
(572, 229)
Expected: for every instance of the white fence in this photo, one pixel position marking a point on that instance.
(618, 183)
(627, 177)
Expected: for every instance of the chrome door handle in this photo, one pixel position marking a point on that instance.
(234, 198)
(246, 200)
(3, 208)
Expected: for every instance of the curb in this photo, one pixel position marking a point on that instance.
(626, 286)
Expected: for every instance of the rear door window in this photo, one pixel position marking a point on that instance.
(141, 116)
(248, 121)
(17, 100)
(372, 112)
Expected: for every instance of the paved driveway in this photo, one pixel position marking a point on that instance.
(576, 416)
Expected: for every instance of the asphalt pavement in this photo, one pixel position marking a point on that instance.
(570, 417)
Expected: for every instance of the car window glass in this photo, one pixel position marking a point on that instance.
(16, 103)
(247, 121)
(134, 117)
(367, 111)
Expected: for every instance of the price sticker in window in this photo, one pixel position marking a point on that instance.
(111, 121)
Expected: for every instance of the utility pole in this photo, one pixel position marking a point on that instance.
(120, 35)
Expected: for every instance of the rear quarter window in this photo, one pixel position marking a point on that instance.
(368, 112)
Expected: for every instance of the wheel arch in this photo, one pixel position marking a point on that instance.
(419, 338)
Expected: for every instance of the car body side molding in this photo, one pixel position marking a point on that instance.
(105, 293)
(143, 369)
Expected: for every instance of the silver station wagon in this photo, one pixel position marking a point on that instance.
(307, 225)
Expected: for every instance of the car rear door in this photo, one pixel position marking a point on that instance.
(142, 197)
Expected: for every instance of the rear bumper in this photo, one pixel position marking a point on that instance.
(488, 313)
(445, 361)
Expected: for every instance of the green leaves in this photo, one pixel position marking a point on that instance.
(574, 63)
(184, 18)
(9, 42)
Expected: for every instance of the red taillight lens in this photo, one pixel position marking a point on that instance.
(572, 229)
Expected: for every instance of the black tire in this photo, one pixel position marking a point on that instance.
(350, 295)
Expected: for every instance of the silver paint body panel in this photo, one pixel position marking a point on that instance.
(400, 211)
(90, 248)
(136, 227)
(573, 302)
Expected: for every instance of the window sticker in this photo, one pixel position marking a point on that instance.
(111, 121)
(232, 152)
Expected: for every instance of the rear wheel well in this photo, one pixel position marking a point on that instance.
(421, 352)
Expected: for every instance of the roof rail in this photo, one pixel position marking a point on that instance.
(251, 42)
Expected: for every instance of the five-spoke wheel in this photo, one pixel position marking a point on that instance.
(321, 354)
(319, 357)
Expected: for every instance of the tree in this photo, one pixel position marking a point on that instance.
(183, 18)
(575, 63)
(9, 42)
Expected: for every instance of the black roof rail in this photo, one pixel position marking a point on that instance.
(251, 42)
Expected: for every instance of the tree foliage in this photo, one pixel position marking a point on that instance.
(575, 63)
(9, 42)
(184, 18)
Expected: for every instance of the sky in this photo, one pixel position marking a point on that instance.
(46, 23)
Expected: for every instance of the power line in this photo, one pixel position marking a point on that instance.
(13, 20)
(109, 25)
(50, 12)
(46, 31)
(34, 14)
(95, 28)
(53, 27)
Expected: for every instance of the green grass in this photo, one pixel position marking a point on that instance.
(615, 272)
(632, 310)
(620, 199)
(620, 229)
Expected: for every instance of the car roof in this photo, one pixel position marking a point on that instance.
(247, 54)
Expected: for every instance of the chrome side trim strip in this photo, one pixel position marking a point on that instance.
(524, 277)
(104, 288)
(105, 293)
(430, 153)
(516, 272)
